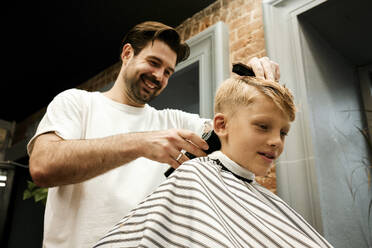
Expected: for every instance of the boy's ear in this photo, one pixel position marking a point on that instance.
(220, 124)
(126, 53)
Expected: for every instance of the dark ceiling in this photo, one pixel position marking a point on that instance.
(50, 46)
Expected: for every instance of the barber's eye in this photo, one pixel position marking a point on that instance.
(153, 63)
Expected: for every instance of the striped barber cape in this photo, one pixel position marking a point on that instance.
(212, 202)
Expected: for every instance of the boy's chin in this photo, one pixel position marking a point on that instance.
(262, 171)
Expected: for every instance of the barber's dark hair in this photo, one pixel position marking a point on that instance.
(141, 34)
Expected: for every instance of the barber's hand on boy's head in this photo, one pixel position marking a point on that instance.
(265, 68)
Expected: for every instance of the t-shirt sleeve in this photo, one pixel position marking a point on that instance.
(63, 117)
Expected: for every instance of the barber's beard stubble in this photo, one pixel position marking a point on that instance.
(135, 85)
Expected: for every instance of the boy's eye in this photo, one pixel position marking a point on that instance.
(263, 127)
(282, 133)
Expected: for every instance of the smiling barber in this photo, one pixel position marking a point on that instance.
(102, 153)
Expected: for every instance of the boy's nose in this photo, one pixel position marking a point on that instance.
(275, 141)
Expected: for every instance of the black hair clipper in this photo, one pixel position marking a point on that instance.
(213, 142)
(242, 70)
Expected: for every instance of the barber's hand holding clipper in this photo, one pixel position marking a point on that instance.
(167, 146)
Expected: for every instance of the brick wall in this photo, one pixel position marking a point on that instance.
(244, 19)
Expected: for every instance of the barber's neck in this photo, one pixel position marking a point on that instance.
(119, 93)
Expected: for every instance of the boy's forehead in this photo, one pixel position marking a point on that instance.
(264, 108)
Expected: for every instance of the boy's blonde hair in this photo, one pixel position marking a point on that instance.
(241, 90)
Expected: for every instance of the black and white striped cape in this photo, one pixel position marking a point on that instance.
(204, 204)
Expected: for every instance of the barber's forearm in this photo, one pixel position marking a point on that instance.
(60, 162)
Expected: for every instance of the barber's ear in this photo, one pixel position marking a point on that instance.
(220, 124)
(126, 53)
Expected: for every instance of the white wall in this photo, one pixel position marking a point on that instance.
(334, 100)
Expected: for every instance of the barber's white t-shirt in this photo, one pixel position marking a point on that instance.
(78, 215)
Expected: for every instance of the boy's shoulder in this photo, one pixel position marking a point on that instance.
(200, 164)
(203, 169)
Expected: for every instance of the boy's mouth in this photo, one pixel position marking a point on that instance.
(268, 155)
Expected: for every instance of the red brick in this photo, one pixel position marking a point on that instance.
(216, 6)
(240, 22)
(226, 3)
(253, 26)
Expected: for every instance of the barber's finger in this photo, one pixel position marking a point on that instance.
(193, 139)
(194, 150)
(190, 146)
(257, 68)
(181, 158)
(277, 71)
(269, 70)
(177, 160)
(173, 163)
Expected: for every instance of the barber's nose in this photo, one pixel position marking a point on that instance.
(158, 74)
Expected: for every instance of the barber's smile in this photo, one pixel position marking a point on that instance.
(150, 83)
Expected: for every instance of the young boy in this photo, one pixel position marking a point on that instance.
(214, 201)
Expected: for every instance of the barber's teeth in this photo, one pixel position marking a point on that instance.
(149, 85)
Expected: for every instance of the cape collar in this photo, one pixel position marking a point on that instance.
(229, 165)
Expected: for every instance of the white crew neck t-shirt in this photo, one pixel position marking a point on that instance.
(78, 215)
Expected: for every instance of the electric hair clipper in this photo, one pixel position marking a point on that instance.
(213, 142)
